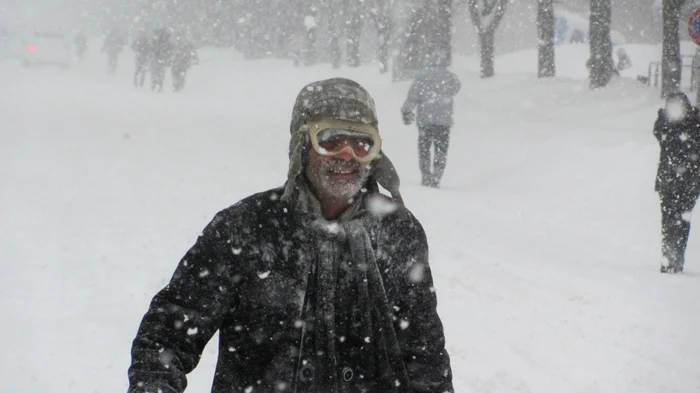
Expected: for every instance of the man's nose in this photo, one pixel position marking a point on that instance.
(345, 156)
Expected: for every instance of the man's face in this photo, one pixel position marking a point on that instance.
(335, 177)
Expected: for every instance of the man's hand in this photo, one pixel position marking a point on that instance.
(408, 117)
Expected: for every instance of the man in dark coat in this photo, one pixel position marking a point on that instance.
(432, 92)
(677, 129)
(320, 286)
(143, 48)
(113, 46)
(161, 56)
(184, 56)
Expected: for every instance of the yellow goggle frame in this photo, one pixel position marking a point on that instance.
(321, 123)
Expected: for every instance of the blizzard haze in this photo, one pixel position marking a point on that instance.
(544, 237)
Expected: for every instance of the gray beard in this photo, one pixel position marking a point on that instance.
(345, 189)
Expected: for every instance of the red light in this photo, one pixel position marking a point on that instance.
(31, 48)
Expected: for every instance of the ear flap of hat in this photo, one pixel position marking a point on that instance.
(296, 155)
(385, 173)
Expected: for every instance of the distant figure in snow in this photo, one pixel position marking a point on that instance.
(321, 285)
(184, 56)
(432, 93)
(677, 129)
(113, 46)
(623, 60)
(142, 47)
(161, 57)
(80, 42)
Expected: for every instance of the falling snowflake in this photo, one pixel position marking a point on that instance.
(417, 273)
(309, 22)
(379, 205)
(675, 110)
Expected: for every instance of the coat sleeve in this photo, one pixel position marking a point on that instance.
(419, 328)
(456, 85)
(414, 96)
(659, 126)
(183, 316)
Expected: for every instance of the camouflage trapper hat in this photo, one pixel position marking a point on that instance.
(341, 99)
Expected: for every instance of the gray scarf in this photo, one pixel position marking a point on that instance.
(321, 292)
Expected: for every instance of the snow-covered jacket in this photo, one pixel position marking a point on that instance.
(432, 92)
(300, 304)
(679, 159)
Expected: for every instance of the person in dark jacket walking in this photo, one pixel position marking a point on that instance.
(432, 92)
(113, 46)
(143, 48)
(80, 42)
(321, 285)
(677, 129)
(161, 57)
(184, 56)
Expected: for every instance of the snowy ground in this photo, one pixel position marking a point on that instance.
(544, 238)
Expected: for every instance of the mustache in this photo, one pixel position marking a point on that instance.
(342, 164)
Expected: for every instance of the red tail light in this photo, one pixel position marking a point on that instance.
(31, 48)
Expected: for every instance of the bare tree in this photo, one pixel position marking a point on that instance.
(545, 38)
(311, 16)
(332, 8)
(354, 19)
(600, 64)
(384, 25)
(443, 29)
(356, 13)
(486, 15)
(671, 52)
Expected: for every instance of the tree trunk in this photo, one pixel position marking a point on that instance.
(310, 22)
(487, 52)
(332, 8)
(545, 35)
(601, 61)
(443, 32)
(671, 52)
(487, 32)
(354, 25)
(383, 23)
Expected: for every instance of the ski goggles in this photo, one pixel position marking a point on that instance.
(331, 137)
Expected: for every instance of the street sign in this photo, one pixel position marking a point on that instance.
(694, 26)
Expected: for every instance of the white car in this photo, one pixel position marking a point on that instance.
(46, 48)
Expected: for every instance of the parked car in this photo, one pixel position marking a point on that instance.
(46, 48)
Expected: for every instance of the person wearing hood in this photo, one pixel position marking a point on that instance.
(113, 46)
(184, 56)
(322, 285)
(677, 129)
(142, 47)
(432, 94)
(161, 56)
